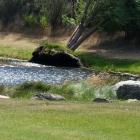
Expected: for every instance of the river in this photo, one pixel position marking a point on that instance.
(14, 71)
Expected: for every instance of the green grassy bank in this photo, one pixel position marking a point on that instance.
(90, 60)
(72, 91)
(15, 52)
(105, 64)
(39, 120)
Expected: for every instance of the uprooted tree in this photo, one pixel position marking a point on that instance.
(106, 14)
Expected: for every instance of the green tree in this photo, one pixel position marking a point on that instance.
(108, 15)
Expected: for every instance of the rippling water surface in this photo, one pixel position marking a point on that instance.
(14, 72)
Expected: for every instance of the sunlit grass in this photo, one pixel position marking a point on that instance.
(15, 52)
(105, 64)
(72, 91)
(39, 120)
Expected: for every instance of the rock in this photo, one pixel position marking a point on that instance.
(50, 96)
(132, 100)
(100, 100)
(4, 97)
(128, 90)
(54, 57)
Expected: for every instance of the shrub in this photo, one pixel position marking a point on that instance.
(34, 86)
(2, 89)
(83, 91)
(27, 90)
(30, 21)
(43, 22)
(79, 91)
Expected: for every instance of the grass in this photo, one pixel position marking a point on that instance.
(39, 120)
(71, 120)
(15, 52)
(100, 63)
(72, 91)
(55, 46)
(90, 60)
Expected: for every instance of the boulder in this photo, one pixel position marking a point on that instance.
(49, 96)
(100, 100)
(55, 57)
(128, 90)
(132, 100)
(4, 97)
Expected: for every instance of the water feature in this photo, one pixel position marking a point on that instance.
(13, 71)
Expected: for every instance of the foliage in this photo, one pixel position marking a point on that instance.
(53, 10)
(124, 16)
(78, 91)
(119, 15)
(33, 21)
(2, 89)
(27, 90)
(9, 9)
(73, 15)
(107, 15)
(68, 21)
(83, 91)
(30, 20)
(43, 22)
(34, 86)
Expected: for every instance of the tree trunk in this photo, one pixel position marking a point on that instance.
(75, 37)
(81, 35)
(81, 39)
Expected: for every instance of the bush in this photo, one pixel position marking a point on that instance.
(34, 21)
(30, 21)
(83, 91)
(34, 86)
(43, 22)
(79, 91)
(27, 90)
(9, 10)
(68, 21)
(2, 89)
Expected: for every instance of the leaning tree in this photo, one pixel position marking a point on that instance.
(106, 14)
(95, 14)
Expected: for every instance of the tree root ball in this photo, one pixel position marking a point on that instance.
(55, 57)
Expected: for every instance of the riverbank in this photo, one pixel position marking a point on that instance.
(90, 60)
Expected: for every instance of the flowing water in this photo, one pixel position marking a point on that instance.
(14, 72)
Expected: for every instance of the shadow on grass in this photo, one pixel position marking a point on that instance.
(101, 63)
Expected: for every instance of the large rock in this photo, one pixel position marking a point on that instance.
(50, 96)
(54, 57)
(4, 97)
(100, 100)
(128, 90)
